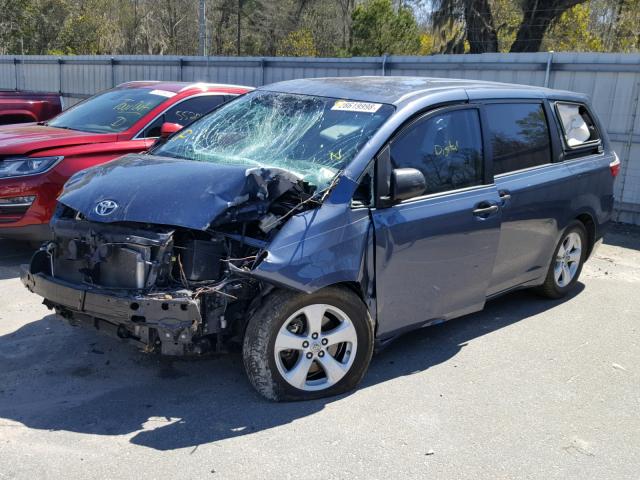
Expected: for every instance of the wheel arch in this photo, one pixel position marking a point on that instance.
(369, 300)
(590, 226)
(9, 117)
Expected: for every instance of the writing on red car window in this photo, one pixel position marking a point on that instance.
(187, 115)
(118, 122)
(130, 106)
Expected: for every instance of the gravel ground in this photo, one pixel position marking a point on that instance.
(529, 388)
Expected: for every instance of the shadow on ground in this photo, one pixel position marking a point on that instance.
(623, 235)
(56, 377)
(12, 255)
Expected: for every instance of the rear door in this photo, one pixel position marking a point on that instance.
(535, 191)
(435, 252)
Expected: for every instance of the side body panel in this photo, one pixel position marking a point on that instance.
(19, 107)
(321, 247)
(539, 207)
(433, 258)
(538, 204)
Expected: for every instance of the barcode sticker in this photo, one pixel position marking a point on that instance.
(349, 106)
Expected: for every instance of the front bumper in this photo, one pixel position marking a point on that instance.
(29, 233)
(168, 323)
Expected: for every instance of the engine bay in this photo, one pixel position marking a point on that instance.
(177, 290)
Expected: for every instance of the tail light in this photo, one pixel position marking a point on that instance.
(615, 165)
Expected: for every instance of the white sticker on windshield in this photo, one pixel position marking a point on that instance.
(162, 93)
(349, 106)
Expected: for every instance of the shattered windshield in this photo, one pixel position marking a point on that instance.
(313, 137)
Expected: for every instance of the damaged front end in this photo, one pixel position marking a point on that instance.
(175, 289)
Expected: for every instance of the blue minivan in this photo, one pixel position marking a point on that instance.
(310, 220)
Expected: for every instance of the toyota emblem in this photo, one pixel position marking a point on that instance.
(105, 207)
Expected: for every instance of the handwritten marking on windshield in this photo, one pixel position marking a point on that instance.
(335, 156)
(183, 135)
(118, 121)
(445, 150)
(129, 106)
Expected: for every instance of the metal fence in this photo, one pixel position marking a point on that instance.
(612, 81)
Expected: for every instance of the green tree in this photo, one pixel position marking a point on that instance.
(538, 15)
(83, 31)
(298, 43)
(572, 32)
(477, 18)
(378, 29)
(41, 25)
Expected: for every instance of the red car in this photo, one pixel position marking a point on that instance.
(37, 159)
(19, 107)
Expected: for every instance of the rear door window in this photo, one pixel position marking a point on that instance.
(577, 125)
(446, 148)
(184, 113)
(519, 136)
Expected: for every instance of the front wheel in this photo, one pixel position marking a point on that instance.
(300, 347)
(567, 262)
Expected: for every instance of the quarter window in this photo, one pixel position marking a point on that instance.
(519, 136)
(577, 124)
(446, 148)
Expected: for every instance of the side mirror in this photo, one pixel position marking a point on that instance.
(167, 129)
(407, 183)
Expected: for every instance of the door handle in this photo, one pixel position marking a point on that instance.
(505, 196)
(484, 210)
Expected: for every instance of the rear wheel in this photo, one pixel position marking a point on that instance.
(300, 347)
(567, 262)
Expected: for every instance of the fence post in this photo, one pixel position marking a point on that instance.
(180, 72)
(384, 64)
(15, 70)
(262, 66)
(59, 76)
(547, 73)
(112, 62)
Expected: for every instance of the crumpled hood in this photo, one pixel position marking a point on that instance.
(25, 138)
(170, 191)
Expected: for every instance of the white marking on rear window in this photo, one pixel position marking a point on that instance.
(162, 93)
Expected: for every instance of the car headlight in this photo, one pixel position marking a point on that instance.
(19, 167)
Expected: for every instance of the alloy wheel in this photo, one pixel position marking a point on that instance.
(315, 347)
(568, 259)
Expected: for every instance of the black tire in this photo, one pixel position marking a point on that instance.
(550, 287)
(263, 327)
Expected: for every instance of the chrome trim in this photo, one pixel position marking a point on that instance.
(586, 158)
(529, 169)
(4, 206)
(445, 194)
